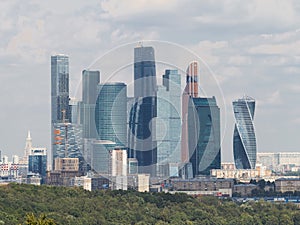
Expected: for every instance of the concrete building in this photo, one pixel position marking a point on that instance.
(279, 161)
(200, 186)
(287, 185)
(244, 190)
(67, 164)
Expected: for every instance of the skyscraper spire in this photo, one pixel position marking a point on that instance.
(28, 146)
(28, 135)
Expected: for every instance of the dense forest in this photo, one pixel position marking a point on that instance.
(24, 204)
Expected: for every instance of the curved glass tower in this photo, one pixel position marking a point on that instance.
(244, 141)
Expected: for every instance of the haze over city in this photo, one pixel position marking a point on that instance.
(252, 48)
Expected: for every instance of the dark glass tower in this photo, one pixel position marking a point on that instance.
(142, 142)
(244, 140)
(204, 134)
(90, 80)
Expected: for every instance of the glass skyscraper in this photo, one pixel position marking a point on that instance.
(60, 108)
(60, 88)
(204, 134)
(90, 81)
(111, 112)
(168, 126)
(244, 140)
(190, 91)
(142, 144)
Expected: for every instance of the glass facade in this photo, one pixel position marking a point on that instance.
(204, 133)
(90, 81)
(168, 123)
(141, 137)
(60, 88)
(68, 140)
(38, 164)
(111, 112)
(244, 140)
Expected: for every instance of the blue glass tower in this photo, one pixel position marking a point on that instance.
(204, 135)
(168, 124)
(37, 163)
(142, 144)
(111, 112)
(244, 140)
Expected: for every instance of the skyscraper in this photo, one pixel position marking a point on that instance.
(28, 147)
(204, 135)
(111, 112)
(60, 88)
(90, 80)
(244, 140)
(60, 109)
(190, 91)
(142, 135)
(168, 125)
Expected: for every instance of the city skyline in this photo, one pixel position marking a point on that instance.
(261, 60)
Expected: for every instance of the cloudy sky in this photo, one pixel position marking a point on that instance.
(251, 47)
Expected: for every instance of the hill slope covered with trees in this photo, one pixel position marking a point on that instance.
(77, 206)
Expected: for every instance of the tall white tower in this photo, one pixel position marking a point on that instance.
(28, 146)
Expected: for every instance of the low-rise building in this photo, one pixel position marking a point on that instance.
(287, 185)
(244, 190)
(202, 186)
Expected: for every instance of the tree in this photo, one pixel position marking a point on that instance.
(42, 220)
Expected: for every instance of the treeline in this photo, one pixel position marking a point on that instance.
(21, 203)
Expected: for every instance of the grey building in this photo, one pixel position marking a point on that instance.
(90, 81)
(141, 137)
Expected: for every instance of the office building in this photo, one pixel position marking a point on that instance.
(111, 112)
(244, 141)
(190, 91)
(168, 123)
(37, 162)
(59, 88)
(60, 108)
(100, 157)
(204, 127)
(75, 110)
(141, 137)
(90, 81)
